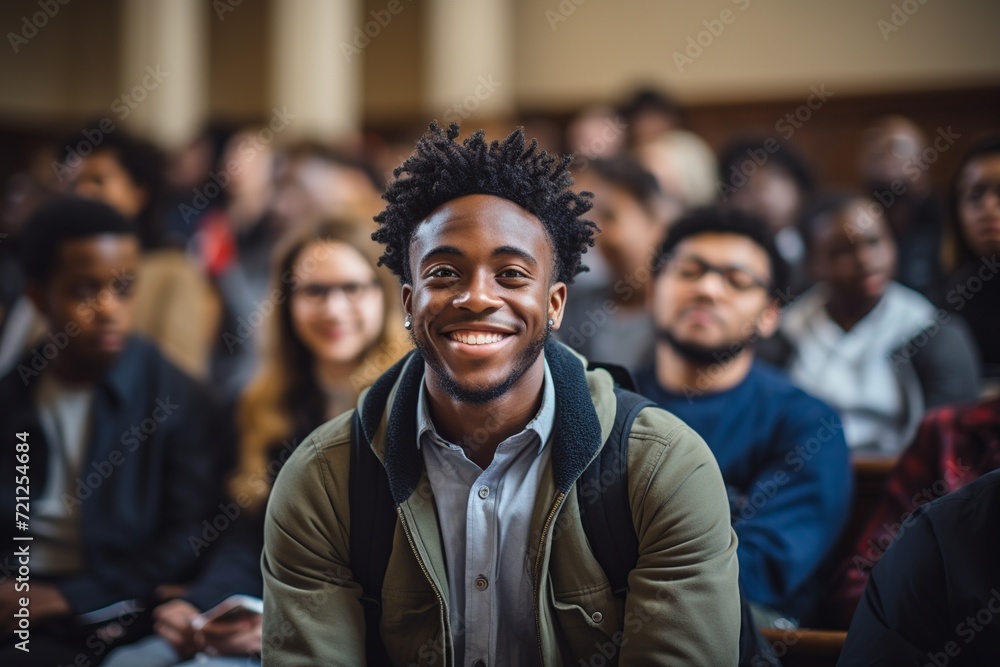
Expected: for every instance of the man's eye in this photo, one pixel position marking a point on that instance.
(442, 273)
(512, 273)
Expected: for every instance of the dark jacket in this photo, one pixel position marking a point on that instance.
(934, 597)
(147, 480)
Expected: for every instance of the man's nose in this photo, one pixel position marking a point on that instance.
(479, 293)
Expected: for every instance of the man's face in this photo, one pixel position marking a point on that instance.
(102, 178)
(705, 314)
(854, 253)
(772, 194)
(628, 231)
(90, 291)
(979, 204)
(481, 296)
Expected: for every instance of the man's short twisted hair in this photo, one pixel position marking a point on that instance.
(442, 169)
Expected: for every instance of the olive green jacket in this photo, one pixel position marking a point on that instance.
(683, 605)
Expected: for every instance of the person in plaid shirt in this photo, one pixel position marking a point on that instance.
(954, 446)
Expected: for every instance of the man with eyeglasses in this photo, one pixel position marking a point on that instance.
(782, 452)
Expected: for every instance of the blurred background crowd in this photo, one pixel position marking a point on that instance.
(248, 143)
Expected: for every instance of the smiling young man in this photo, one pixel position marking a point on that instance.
(781, 451)
(483, 433)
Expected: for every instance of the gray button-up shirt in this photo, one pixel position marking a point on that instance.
(485, 518)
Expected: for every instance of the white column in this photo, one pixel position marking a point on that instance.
(311, 77)
(469, 59)
(164, 69)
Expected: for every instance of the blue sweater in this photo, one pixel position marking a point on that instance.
(785, 462)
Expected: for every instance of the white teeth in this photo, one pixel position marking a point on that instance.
(477, 339)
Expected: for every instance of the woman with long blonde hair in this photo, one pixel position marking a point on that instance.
(335, 326)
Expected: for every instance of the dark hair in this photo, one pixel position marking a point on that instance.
(784, 157)
(442, 169)
(65, 219)
(651, 99)
(814, 214)
(627, 174)
(986, 147)
(726, 220)
(145, 165)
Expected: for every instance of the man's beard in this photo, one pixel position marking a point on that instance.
(703, 355)
(479, 395)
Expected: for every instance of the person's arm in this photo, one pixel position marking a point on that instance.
(792, 513)
(190, 490)
(947, 363)
(683, 605)
(312, 608)
(902, 618)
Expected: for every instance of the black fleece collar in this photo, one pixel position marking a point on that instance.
(576, 437)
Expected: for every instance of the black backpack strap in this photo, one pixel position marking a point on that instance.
(602, 493)
(373, 522)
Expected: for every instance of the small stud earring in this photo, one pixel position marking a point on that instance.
(407, 323)
(552, 322)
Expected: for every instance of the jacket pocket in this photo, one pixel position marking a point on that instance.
(411, 628)
(588, 623)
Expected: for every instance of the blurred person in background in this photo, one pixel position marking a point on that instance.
(781, 451)
(175, 305)
(336, 328)
(596, 132)
(609, 322)
(315, 182)
(954, 446)
(895, 174)
(123, 468)
(972, 290)
(877, 351)
(650, 115)
(684, 165)
(188, 172)
(769, 179)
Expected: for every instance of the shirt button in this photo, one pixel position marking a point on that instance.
(597, 617)
(481, 583)
(484, 492)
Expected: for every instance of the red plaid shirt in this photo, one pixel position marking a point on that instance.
(954, 446)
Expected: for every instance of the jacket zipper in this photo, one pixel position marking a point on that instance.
(538, 572)
(423, 568)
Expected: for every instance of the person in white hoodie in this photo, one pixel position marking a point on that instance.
(878, 352)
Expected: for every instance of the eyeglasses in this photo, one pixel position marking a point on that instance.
(317, 294)
(693, 269)
(976, 193)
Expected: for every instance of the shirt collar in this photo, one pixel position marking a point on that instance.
(542, 423)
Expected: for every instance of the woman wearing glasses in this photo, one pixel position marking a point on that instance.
(334, 327)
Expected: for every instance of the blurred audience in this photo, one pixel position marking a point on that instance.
(781, 451)
(895, 174)
(608, 322)
(972, 290)
(877, 351)
(334, 330)
(596, 132)
(934, 597)
(650, 115)
(684, 165)
(771, 180)
(122, 467)
(954, 446)
(175, 306)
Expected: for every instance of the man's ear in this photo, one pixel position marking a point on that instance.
(557, 303)
(767, 323)
(406, 296)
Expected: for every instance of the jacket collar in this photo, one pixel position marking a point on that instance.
(577, 435)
